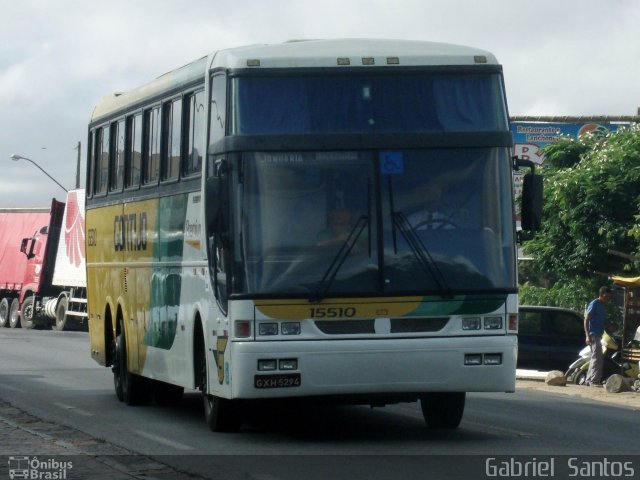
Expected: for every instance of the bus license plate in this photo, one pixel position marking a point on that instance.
(278, 381)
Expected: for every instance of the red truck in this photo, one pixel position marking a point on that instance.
(42, 267)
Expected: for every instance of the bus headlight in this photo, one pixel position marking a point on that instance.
(473, 359)
(269, 365)
(493, 359)
(289, 364)
(493, 323)
(290, 328)
(268, 329)
(471, 323)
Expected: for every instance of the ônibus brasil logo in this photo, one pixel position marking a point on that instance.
(74, 230)
(34, 468)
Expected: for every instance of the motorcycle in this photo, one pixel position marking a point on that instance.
(612, 362)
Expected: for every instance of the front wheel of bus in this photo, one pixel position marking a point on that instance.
(220, 414)
(443, 409)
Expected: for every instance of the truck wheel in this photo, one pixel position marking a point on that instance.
(61, 315)
(443, 410)
(14, 317)
(4, 312)
(28, 312)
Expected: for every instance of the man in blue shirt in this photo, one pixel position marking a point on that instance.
(594, 328)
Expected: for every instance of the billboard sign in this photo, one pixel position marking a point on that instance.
(529, 138)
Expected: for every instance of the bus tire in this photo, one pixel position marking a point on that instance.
(14, 316)
(443, 409)
(135, 390)
(61, 315)
(220, 414)
(28, 313)
(4, 312)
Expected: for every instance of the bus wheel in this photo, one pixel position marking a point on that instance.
(220, 414)
(14, 317)
(28, 313)
(4, 312)
(443, 410)
(117, 367)
(135, 390)
(61, 315)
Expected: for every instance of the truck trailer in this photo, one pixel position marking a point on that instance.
(42, 265)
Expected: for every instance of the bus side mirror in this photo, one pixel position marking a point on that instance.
(531, 211)
(23, 245)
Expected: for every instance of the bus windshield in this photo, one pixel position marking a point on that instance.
(361, 103)
(371, 223)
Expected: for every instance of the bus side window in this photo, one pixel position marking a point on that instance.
(218, 108)
(101, 170)
(151, 152)
(171, 133)
(195, 126)
(221, 259)
(116, 158)
(134, 151)
(90, 163)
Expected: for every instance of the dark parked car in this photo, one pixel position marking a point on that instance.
(549, 338)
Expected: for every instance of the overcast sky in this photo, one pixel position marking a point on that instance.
(59, 57)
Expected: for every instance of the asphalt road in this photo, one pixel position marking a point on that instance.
(50, 375)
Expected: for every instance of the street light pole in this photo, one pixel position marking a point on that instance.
(15, 157)
(78, 147)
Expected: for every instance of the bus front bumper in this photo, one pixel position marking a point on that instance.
(373, 367)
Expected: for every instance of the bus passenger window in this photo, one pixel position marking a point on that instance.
(90, 163)
(102, 161)
(195, 132)
(171, 134)
(134, 150)
(151, 146)
(116, 163)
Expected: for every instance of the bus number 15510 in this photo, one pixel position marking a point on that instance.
(332, 312)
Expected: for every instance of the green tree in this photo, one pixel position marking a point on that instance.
(591, 205)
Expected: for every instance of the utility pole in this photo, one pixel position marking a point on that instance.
(78, 147)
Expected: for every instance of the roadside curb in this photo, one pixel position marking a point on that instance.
(28, 437)
(533, 375)
(623, 399)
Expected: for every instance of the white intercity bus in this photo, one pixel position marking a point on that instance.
(317, 219)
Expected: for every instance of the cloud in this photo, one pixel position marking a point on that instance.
(57, 59)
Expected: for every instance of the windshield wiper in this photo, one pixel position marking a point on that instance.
(329, 276)
(420, 251)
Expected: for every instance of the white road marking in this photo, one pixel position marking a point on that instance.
(164, 441)
(73, 409)
(509, 431)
